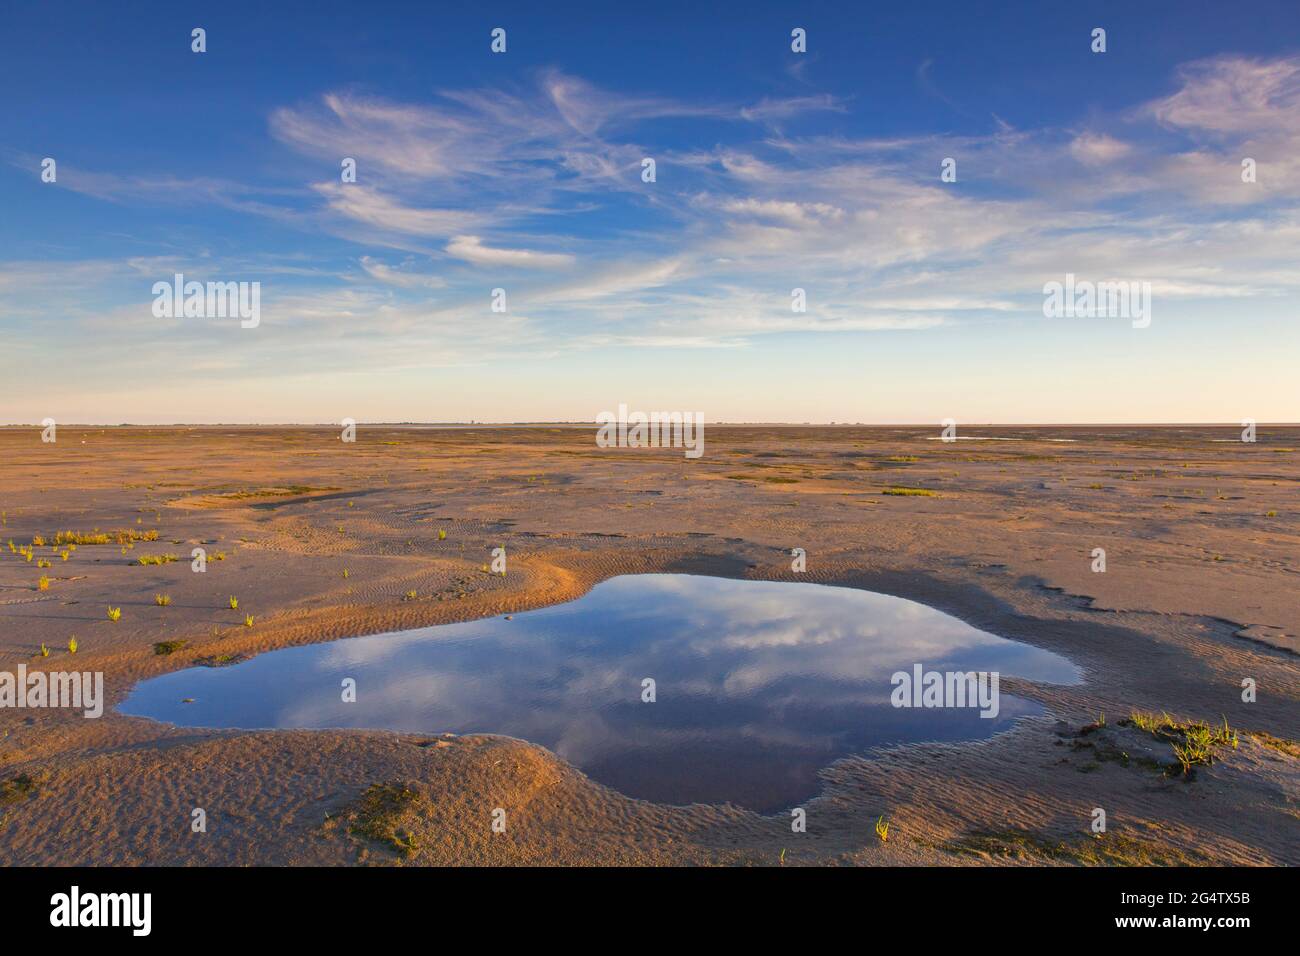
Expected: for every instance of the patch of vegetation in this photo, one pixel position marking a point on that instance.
(219, 660)
(169, 647)
(904, 490)
(378, 816)
(17, 789)
(279, 491)
(124, 536)
(1193, 741)
(147, 559)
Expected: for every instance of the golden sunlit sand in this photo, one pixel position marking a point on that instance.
(310, 539)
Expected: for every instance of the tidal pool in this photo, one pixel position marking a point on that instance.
(757, 685)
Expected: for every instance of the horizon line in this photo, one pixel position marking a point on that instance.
(593, 424)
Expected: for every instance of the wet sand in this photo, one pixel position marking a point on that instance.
(1202, 539)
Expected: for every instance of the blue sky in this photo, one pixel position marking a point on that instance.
(775, 170)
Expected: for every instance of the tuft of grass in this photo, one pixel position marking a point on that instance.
(162, 600)
(72, 645)
(234, 603)
(97, 537)
(114, 613)
(1148, 722)
(410, 596)
(248, 620)
(379, 814)
(45, 651)
(146, 559)
(169, 647)
(43, 584)
(16, 789)
(904, 490)
(882, 829)
(1193, 742)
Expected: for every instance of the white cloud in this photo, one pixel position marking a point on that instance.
(405, 278)
(372, 207)
(1095, 149)
(1234, 95)
(471, 249)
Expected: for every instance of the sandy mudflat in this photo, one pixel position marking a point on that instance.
(1202, 589)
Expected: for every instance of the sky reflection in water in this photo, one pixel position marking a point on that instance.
(759, 684)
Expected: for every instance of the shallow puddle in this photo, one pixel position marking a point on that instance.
(756, 685)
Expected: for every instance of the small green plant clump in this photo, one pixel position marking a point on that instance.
(381, 815)
(16, 789)
(1193, 741)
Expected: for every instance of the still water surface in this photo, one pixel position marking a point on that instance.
(758, 685)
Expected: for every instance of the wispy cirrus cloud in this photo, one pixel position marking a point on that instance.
(472, 249)
(487, 187)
